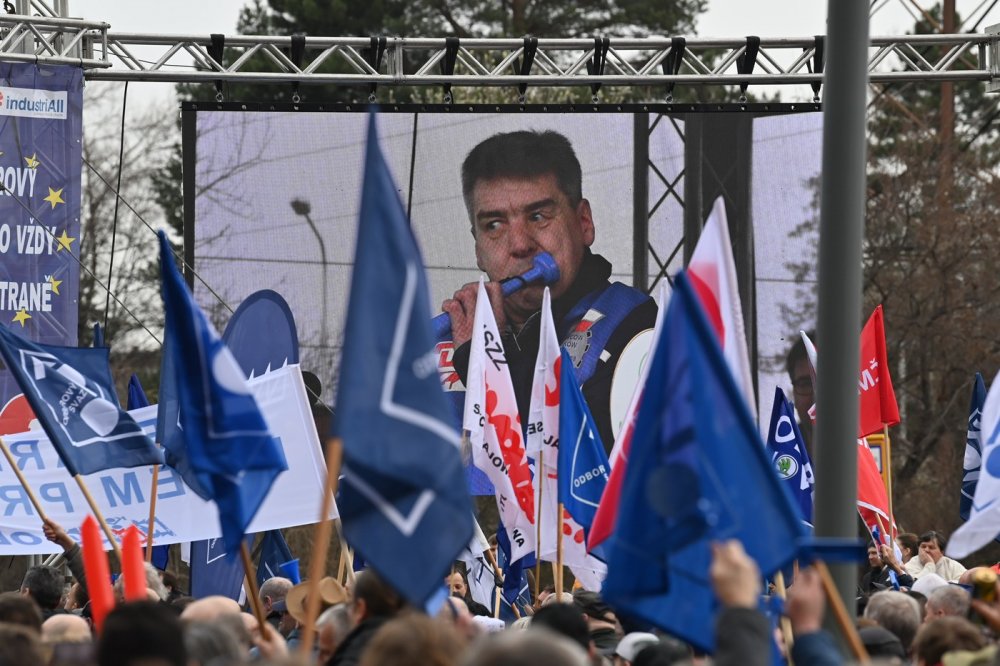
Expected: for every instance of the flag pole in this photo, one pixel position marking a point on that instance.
(100, 517)
(847, 627)
(151, 525)
(342, 565)
(252, 591)
(538, 520)
(888, 480)
(786, 623)
(24, 482)
(559, 555)
(321, 542)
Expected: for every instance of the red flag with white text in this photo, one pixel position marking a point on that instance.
(877, 398)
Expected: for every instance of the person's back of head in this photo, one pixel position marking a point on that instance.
(413, 639)
(948, 600)
(66, 628)
(21, 610)
(372, 597)
(44, 584)
(564, 619)
(942, 635)
(209, 608)
(141, 632)
(275, 588)
(896, 612)
(664, 653)
(19, 646)
(208, 643)
(880, 642)
(153, 583)
(535, 647)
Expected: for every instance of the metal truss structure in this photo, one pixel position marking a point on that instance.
(400, 61)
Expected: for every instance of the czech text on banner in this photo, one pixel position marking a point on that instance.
(181, 516)
(494, 426)
(40, 167)
(404, 501)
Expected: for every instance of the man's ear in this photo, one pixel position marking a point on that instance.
(586, 217)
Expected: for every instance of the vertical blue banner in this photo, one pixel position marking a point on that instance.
(41, 123)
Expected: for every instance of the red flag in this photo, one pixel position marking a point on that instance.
(95, 565)
(878, 400)
(133, 566)
(872, 498)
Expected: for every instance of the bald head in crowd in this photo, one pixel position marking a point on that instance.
(948, 600)
(66, 628)
(210, 608)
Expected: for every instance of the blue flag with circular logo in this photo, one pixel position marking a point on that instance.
(73, 396)
(787, 451)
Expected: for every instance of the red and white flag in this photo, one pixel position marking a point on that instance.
(494, 428)
(607, 509)
(878, 400)
(543, 444)
(873, 501)
(713, 275)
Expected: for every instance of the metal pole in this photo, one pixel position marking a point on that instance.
(842, 209)
(640, 202)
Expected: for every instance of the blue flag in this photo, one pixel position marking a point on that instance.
(697, 473)
(583, 463)
(515, 592)
(973, 448)
(72, 394)
(403, 501)
(212, 572)
(788, 454)
(227, 454)
(136, 399)
(274, 552)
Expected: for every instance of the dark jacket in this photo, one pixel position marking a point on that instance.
(522, 348)
(350, 650)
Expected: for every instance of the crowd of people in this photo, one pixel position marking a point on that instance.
(939, 614)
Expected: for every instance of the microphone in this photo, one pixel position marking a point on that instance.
(543, 269)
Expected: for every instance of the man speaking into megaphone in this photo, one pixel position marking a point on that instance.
(523, 193)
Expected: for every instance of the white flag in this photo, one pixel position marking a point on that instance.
(713, 273)
(494, 426)
(543, 436)
(984, 517)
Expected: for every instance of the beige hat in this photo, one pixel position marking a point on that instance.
(331, 593)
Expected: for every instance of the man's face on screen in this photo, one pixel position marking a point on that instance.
(515, 219)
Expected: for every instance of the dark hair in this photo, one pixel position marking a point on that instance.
(141, 630)
(44, 585)
(524, 154)
(664, 653)
(19, 645)
(797, 353)
(945, 634)
(909, 541)
(19, 609)
(566, 620)
(380, 599)
(942, 540)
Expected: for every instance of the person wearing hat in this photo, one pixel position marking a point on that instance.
(293, 607)
(601, 621)
(631, 645)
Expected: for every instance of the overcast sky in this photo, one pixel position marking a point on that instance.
(724, 18)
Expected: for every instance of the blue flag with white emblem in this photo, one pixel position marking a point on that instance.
(788, 454)
(697, 473)
(583, 463)
(226, 454)
(72, 394)
(973, 448)
(403, 500)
